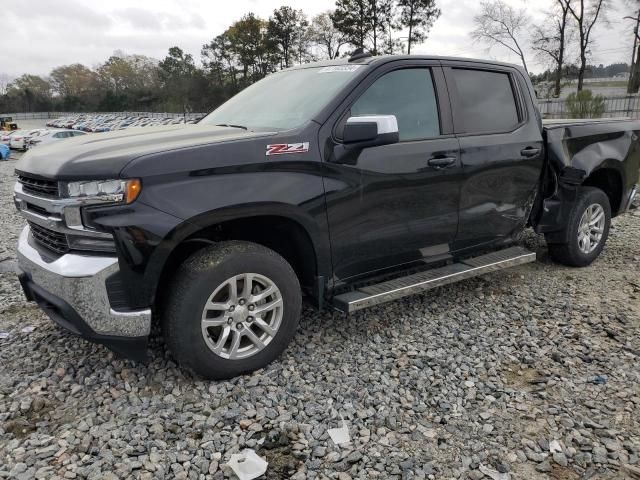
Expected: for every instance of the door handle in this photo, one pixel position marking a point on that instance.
(529, 152)
(441, 162)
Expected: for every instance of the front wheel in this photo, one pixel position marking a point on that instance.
(586, 230)
(233, 308)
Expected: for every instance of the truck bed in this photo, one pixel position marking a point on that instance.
(585, 145)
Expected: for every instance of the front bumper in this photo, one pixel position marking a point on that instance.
(71, 289)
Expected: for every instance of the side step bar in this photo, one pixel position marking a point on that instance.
(422, 281)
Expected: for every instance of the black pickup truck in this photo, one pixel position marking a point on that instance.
(351, 182)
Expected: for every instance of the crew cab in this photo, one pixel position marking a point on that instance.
(349, 182)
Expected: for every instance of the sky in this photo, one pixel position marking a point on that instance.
(39, 35)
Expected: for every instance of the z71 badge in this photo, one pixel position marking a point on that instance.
(282, 148)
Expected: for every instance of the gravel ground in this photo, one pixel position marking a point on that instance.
(529, 373)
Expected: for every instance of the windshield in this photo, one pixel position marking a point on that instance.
(283, 100)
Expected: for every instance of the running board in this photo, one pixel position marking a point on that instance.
(422, 281)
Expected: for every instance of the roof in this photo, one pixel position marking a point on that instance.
(381, 59)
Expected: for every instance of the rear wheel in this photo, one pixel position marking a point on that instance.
(587, 229)
(233, 308)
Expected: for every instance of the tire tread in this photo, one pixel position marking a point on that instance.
(569, 253)
(191, 270)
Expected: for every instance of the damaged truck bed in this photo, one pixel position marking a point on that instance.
(597, 152)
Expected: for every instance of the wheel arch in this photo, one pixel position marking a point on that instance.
(608, 178)
(289, 234)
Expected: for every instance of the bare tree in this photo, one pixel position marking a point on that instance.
(501, 24)
(550, 39)
(634, 72)
(585, 16)
(326, 36)
(5, 80)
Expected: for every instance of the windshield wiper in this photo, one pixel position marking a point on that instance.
(231, 125)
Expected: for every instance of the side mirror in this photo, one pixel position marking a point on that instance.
(370, 131)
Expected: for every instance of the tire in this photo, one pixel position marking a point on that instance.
(217, 269)
(575, 252)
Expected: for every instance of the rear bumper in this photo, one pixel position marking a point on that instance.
(71, 289)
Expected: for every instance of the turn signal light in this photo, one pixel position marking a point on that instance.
(133, 190)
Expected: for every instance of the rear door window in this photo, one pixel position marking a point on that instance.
(485, 100)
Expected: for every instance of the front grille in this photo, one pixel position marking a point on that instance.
(37, 186)
(54, 241)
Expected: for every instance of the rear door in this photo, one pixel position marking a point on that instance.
(393, 204)
(501, 150)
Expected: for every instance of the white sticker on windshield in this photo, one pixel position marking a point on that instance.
(339, 68)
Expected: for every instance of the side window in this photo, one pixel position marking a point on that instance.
(410, 96)
(486, 101)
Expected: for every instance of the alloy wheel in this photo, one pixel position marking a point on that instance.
(242, 316)
(591, 228)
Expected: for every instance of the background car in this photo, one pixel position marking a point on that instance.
(4, 152)
(109, 122)
(5, 137)
(52, 136)
(20, 141)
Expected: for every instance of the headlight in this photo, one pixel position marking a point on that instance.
(118, 191)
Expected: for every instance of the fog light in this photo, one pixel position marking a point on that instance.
(91, 244)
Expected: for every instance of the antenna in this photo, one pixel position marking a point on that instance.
(359, 54)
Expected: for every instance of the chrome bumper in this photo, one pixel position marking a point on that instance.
(79, 280)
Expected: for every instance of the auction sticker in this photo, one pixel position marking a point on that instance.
(339, 68)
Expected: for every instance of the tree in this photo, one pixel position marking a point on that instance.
(418, 16)
(128, 73)
(634, 76)
(128, 81)
(287, 30)
(382, 24)
(585, 17)
(218, 57)
(550, 40)
(77, 85)
(73, 80)
(501, 24)
(32, 92)
(255, 53)
(364, 23)
(391, 45)
(5, 80)
(352, 19)
(324, 34)
(177, 73)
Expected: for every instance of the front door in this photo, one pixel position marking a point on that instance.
(395, 204)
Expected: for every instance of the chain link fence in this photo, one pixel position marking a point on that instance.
(620, 106)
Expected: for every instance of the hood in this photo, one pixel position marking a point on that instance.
(104, 155)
